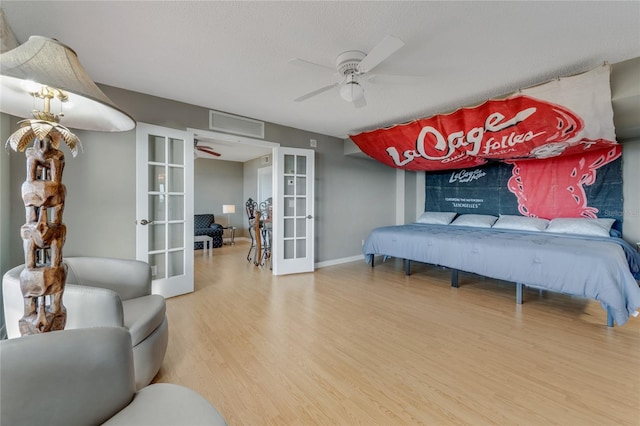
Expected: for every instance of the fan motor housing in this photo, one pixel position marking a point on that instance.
(347, 62)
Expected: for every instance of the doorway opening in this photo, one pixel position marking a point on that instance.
(245, 171)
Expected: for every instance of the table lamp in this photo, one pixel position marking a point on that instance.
(35, 77)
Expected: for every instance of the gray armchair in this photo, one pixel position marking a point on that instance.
(85, 377)
(104, 292)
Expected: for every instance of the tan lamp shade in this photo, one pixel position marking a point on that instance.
(228, 208)
(46, 61)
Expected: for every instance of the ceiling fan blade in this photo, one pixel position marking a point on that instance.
(316, 92)
(311, 65)
(208, 151)
(387, 47)
(359, 103)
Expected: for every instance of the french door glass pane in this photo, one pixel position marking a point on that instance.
(301, 164)
(301, 228)
(157, 178)
(289, 206)
(176, 264)
(176, 207)
(176, 235)
(288, 228)
(156, 149)
(156, 237)
(301, 206)
(301, 248)
(289, 185)
(289, 164)
(157, 260)
(156, 207)
(289, 249)
(301, 186)
(176, 151)
(176, 179)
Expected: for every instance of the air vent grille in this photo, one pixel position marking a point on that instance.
(234, 124)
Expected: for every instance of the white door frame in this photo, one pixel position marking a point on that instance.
(259, 143)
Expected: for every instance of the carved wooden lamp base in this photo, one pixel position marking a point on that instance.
(43, 278)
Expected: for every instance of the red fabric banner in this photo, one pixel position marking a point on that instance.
(568, 116)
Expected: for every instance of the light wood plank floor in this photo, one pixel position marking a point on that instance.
(354, 345)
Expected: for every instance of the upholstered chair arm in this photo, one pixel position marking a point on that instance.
(92, 307)
(70, 377)
(129, 278)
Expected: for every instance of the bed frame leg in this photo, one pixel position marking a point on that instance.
(454, 278)
(609, 318)
(373, 260)
(519, 288)
(407, 267)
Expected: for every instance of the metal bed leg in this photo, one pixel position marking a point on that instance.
(609, 318)
(454, 278)
(407, 267)
(519, 288)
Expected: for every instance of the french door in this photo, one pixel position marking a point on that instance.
(293, 210)
(164, 207)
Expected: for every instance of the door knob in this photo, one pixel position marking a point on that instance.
(145, 222)
(309, 217)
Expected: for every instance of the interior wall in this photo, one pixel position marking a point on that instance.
(630, 193)
(5, 211)
(218, 182)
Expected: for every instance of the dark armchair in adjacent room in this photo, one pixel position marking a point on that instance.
(204, 224)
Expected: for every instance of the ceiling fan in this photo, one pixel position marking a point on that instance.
(353, 68)
(205, 149)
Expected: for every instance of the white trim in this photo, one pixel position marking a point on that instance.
(420, 192)
(340, 261)
(400, 196)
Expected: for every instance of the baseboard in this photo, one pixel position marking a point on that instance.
(340, 261)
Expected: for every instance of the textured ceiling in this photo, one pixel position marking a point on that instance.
(233, 56)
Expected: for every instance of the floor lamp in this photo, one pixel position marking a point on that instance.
(228, 209)
(35, 77)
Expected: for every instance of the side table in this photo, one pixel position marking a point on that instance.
(232, 232)
(207, 243)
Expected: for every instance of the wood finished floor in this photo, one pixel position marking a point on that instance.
(352, 345)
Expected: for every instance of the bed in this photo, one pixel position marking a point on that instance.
(603, 268)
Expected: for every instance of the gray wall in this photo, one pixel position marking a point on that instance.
(218, 182)
(353, 195)
(630, 192)
(5, 211)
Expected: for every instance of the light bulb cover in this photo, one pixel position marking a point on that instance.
(351, 91)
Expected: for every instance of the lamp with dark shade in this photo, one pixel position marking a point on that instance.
(45, 74)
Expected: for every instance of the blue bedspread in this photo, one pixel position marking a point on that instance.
(597, 268)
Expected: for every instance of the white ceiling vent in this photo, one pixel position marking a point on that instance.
(235, 124)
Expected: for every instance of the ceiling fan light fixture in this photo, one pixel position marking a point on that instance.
(351, 91)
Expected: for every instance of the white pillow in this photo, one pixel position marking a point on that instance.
(476, 220)
(581, 226)
(436, 218)
(520, 223)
